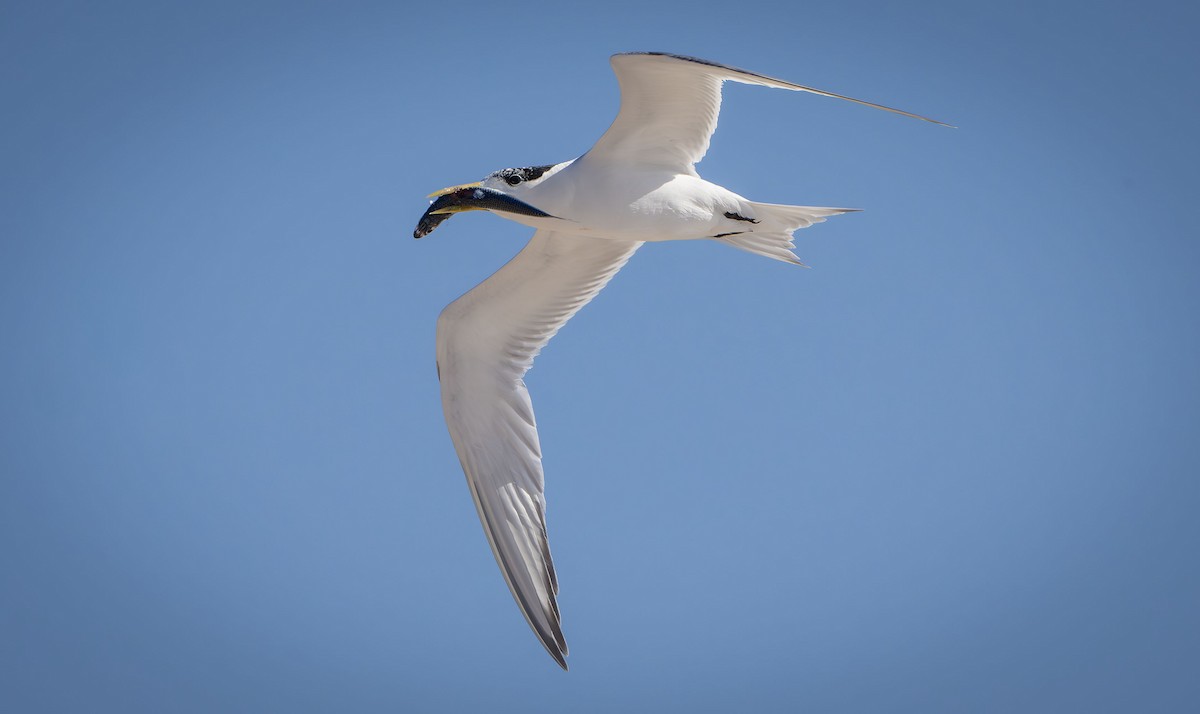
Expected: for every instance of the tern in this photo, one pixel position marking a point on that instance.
(638, 183)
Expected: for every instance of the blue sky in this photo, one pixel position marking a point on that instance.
(951, 468)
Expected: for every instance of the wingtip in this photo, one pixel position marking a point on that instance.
(558, 652)
(552, 637)
(772, 81)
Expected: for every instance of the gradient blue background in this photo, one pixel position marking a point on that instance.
(952, 468)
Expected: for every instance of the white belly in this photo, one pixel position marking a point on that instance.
(629, 205)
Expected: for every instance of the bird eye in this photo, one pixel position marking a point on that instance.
(513, 179)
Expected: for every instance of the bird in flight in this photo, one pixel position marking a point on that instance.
(638, 183)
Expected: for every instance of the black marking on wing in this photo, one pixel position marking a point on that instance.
(708, 63)
(748, 73)
(739, 217)
(733, 233)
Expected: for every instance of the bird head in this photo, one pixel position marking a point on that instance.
(499, 191)
(519, 180)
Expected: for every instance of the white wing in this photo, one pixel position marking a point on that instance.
(669, 107)
(486, 341)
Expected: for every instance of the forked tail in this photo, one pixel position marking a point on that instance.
(770, 233)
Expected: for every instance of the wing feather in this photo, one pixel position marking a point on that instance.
(486, 342)
(669, 108)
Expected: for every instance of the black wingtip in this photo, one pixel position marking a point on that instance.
(739, 70)
(556, 645)
(553, 640)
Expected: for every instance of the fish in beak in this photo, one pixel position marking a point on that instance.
(470, 197)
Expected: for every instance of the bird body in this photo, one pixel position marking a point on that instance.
(654, 204)
(638, 204)
(638, 183)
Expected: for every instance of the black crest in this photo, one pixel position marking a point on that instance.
(526, 173)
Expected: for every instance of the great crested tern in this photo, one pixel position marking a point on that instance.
(638, 183)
